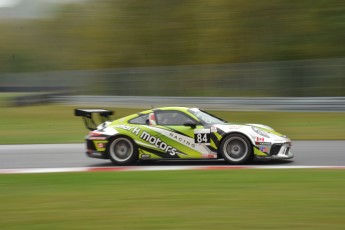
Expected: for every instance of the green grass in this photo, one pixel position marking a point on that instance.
(43, 124)
(57, 124)
(5, 98)
(229, 199)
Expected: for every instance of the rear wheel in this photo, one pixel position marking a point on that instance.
(122, 151)
(236, 149)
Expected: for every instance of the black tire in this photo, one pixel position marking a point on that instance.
(236, 149)
(122, 151)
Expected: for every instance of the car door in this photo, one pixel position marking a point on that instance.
(182, 135)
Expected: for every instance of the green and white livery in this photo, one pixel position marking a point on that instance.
(179, 133)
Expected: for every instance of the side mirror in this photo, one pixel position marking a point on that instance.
(190, 124)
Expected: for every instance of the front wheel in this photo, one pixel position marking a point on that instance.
(122, 151)
(236, 149)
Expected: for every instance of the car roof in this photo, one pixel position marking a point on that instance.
(172, 108)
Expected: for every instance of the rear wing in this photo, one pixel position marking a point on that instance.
(89, 120)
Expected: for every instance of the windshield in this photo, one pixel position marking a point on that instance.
(206, 118)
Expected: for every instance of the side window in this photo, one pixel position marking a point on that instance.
(140, 120)
(171, 118)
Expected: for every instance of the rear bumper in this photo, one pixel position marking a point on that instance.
(96, 149)
(95, 154)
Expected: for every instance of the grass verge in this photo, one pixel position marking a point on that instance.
(242, 199)
(57, 124)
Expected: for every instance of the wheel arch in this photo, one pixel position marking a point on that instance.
(231, 133)
(240, 133)
(117, 135)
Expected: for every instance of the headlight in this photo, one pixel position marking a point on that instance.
(260, 132)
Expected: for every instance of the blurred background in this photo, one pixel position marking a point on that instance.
(219, 48)
(256, 55)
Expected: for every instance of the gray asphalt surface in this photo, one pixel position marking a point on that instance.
(307, 153)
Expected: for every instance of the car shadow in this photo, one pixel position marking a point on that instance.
(195, 163)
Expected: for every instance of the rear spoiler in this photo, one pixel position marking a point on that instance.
(90, 122)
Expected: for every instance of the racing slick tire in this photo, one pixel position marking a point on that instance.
(122, 151)
(236, 149)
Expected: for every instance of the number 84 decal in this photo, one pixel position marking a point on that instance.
(202, 136)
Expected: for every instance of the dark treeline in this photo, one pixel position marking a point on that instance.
(126, 33)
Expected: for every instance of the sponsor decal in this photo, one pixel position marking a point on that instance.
(95, 154)
(145, 156)
(234, 126)
(260, 139)
(100, 145)
(209, 156)
(182, 140)
(133, 129)
(202, 136)
(156, 141)
(264, 149)
(213, 129)
(263, 143)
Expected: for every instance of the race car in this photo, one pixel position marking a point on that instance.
(179, 133)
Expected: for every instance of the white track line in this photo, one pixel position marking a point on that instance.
(154, 168)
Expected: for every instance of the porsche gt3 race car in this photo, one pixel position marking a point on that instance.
(179, 133)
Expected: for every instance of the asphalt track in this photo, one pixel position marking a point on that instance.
(307, 153)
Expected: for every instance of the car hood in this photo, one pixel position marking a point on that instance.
(231, 126)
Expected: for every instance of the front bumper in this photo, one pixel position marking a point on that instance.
(277, 151)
